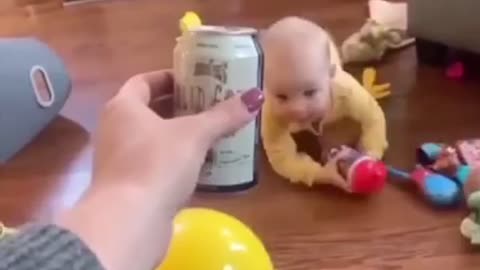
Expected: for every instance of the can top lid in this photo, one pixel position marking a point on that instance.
(223, 30)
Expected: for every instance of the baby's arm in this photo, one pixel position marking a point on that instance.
(362, 107)
(281, 151)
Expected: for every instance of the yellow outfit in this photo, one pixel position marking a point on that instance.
(350, 100)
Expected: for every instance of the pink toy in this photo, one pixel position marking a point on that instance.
(456, 71)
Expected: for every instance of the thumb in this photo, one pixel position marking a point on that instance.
(230, 115)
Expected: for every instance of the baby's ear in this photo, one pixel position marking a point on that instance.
(333, 70)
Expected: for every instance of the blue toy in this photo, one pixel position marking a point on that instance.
(428, 153)
(436, 188)
(440, 175)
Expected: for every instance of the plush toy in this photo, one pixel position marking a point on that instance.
(372, 41)
(470, 227)
(306, 88)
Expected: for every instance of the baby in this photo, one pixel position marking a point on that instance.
(307, 88)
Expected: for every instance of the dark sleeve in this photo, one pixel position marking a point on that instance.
(45, 247)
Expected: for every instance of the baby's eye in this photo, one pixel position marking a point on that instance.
(282, 97)
(310, 92)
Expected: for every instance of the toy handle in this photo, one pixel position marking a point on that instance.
(437, 189)
(398, 175)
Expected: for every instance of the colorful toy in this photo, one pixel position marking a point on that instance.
(208, 239)
(466, 152)
(445, 160)
(364, 174)
(436, 188)
(470, 226)
(443, 170)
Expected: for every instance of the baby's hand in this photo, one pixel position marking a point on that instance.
(332, 166)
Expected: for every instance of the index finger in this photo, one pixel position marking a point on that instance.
(149, 86)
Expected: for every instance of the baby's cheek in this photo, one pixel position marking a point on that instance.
(320, 104)
(280, 109)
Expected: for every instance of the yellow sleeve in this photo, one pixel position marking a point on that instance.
(281, 151)
(361, 106)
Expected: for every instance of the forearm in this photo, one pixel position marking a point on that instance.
(126, 226)
(363, 107)
(46, 247)
(282, 153)
(373, 140)
(297, 167)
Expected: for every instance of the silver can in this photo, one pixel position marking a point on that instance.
(211, 64)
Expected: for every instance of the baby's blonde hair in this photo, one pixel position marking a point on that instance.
(294, 36)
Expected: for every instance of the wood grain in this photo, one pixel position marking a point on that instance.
(103, 43)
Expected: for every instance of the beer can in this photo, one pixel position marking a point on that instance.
(211, 64)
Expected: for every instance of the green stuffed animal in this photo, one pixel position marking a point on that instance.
(470, 227)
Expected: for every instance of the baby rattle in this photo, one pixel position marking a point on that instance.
(364, 174)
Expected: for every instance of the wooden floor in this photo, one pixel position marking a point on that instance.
(105, 42)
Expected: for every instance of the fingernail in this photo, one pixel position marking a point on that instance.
(253, 99)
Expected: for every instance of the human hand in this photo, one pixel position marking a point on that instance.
(145, 169)
(337, 179)
(135, 144)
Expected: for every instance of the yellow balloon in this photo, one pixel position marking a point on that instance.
(210, 240)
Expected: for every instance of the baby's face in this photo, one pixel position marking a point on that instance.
(297, 70)
(301, 101)
(299, 90)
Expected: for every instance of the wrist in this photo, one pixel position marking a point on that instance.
(119, 219)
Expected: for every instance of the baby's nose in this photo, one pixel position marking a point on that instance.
(299, 112)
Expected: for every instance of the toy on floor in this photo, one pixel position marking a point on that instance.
(446, 160)
(436, 188)
(444, 170)
(470, 226)
(364, 174)
(372, 41)
(384, 30)
(455, 71)
(208, 239)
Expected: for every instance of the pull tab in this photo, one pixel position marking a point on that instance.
(42, 86)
